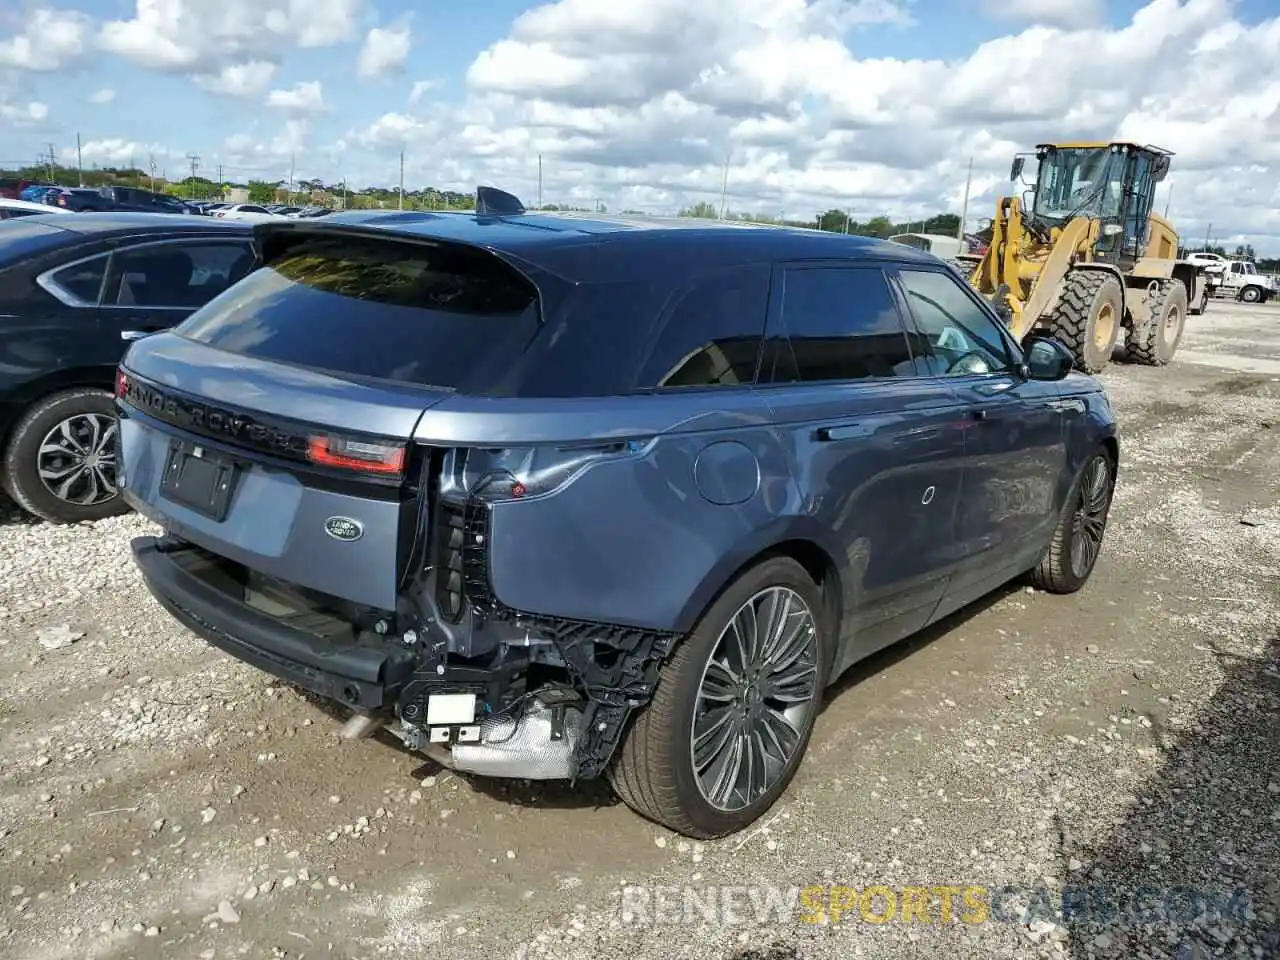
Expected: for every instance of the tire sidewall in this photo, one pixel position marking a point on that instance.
(1174, 299)
(21, 477)
(1073, 503)
(701, 642)
(1108, 291)
(1251, 295)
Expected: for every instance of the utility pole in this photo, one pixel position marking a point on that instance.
(1168, 200)
(1206, 237)
(53, 160)
(151, 163)
(220, 182)
(79, 160)
(724, 185)
(846, 221)
(964, 209)
(539, 181)
(401, 179)
(289, 199)
(194, 158)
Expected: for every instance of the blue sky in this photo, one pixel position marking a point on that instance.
(852, 103)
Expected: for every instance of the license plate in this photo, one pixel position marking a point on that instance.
(451, 708)
(199, 479)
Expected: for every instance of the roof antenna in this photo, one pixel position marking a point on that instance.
(492, 202)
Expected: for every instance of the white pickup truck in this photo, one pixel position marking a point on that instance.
(1238, 279)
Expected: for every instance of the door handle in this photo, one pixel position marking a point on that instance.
(843, 431)
(128, 335)
(979, 413)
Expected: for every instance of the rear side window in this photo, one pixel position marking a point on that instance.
(840, 323)
(430, 315)
(713, 334)
(79, 281)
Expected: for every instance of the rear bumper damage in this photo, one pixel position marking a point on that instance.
(550, 701)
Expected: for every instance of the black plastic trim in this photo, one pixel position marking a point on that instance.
(366, 677)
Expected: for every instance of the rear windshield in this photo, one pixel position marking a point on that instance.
(21, 237)
(429, 315)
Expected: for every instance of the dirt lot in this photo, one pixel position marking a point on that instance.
(159, 800)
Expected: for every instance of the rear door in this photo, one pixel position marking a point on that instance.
(878, 456)
(156, 284)
(50, 282)
(1015, 452)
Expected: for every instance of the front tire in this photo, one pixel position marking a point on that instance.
(1251, 295)
(60, 463)
(734, 707)
(1077, 539)
(1087, 317)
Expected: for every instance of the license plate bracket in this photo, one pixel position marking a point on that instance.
(200, 479)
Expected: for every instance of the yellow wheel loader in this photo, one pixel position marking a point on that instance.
(1081, 256)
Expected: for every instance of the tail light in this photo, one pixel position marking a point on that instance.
(511, 473)
(122, 383)
(62, 201)
(376, 457)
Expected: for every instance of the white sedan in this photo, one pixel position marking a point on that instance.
(26, 208)
(250, 212)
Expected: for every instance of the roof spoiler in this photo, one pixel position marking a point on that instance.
(492, 202)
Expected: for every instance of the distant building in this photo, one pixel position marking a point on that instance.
(236, 195)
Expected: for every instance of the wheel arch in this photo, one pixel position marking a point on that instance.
(799, 538)
(40, 388)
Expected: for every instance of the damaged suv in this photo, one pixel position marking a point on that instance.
(559, 497)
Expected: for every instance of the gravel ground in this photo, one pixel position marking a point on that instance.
(158, 799)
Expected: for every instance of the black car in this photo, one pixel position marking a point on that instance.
(74, 292)
(79, 199)
(144, 201)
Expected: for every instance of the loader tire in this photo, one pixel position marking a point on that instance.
(1155, 346)
(1087, 317)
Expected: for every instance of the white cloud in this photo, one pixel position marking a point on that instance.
(110, 152)
(396, 130)
(1065, 12)
(645, 100)
(420, 90)
(51, 39)
(27, 115)
(103, 96)
(202, 36)
(385, 50)
(238, 79)
(305, 97)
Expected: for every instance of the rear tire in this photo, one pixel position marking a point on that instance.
(1158, 343)
(60, 463)
(1077, 538)
(661, 774)
(1087, 317)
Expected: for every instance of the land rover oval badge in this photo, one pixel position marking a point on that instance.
(344, 528)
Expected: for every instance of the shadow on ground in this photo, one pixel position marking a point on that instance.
(1207, 824)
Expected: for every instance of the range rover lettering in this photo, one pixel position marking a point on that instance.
(560, 497)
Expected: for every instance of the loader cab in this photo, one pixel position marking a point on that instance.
(1111, 182)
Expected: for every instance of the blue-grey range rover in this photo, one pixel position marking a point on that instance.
(554, 496)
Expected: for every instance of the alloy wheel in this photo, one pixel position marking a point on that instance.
(1090, 519)
(756, 696)
(77, 460)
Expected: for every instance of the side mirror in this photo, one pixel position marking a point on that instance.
(1016, 170)
(1047, 358)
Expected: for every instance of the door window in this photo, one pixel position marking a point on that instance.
(958, 336)
(177, 276)
(840, 323)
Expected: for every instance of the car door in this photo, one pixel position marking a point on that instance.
(878, 453)
(156, 284)
(48, 321)
(1015, 440)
